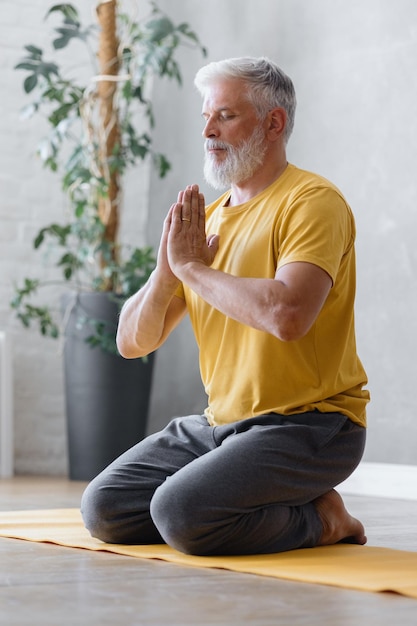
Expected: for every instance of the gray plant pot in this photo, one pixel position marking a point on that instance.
(107, 396)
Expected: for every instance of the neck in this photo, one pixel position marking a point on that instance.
(265, 176)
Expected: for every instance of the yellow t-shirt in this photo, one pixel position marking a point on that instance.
(247, 372)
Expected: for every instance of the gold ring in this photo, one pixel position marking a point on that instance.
(184, 219)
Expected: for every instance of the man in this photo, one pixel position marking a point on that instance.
(267, 275)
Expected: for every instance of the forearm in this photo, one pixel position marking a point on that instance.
(263, 304)
(143, 323)
(285, 306)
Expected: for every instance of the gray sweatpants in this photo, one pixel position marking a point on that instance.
(242, 488)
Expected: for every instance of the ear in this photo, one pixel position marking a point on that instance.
(276, 120)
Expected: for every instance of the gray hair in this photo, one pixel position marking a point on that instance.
(268, 86)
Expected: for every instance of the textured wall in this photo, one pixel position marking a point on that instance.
(354, 67)
(30, 199)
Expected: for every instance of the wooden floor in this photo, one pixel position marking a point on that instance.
(51, 585)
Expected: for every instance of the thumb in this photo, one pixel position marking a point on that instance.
(213, 244)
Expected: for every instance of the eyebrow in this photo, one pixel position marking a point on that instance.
(221, 110)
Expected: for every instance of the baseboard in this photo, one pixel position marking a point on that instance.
(385, 480)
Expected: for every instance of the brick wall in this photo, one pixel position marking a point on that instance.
(30, 198)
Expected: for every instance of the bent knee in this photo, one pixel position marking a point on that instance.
(182, 524)
(97, 510)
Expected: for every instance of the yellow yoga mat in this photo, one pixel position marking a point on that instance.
(363, 568)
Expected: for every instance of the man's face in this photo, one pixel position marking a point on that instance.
(235, 138)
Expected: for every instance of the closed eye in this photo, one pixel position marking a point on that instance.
(223, 116)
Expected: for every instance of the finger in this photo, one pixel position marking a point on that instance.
(186, 212)
(213, 241)
(201, 211)
(213, 245)
(169, 215)
(194, 203)
(195, 197)
(176, 214)
(168, 218)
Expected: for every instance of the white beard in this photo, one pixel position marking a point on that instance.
(240, 164)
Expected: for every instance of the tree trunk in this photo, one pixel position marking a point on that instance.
(108, 128)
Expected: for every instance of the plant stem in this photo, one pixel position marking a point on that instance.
(109, 124)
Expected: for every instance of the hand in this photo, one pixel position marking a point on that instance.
(162, 259)
(187, 241)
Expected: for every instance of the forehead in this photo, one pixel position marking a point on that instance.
(226, 94)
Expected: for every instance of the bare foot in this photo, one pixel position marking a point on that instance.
(338, 525)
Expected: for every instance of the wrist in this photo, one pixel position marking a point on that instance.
(191, 271)
(164, 281)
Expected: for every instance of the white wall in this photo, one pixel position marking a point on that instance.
(30, 199)
(354, 67)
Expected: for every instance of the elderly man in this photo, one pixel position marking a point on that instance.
(267, 275)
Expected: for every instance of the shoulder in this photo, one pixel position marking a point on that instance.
(301, 182)
(312, 195)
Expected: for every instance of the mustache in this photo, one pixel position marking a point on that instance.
(214, 144)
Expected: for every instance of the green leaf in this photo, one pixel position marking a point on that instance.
(139, 150)
(61, 42)
(127, 91)
(159, 28)
(68, 273)
(51, 164)
(39, 239)
(138, 93)
(29, 65)
(79, 209)
(54, 230)
(25, 319)
(61, 113)
(34, 50)
(47, 68)
(67, 10)
(30, 83)
(53, 331)
(187, 32)
(162, 164)
(29, 287)
(60, 232)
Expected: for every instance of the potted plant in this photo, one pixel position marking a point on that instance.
(92, 141)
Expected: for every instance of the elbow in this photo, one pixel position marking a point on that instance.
(127, 349)
(290, 325)
(132, 346)
(289, 334)
(129, 352)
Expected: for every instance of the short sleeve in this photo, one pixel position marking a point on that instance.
(317, 227)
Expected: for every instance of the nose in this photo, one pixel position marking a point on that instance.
(210, 129)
